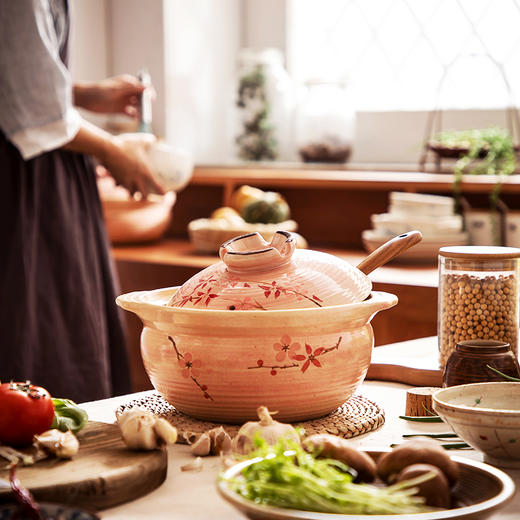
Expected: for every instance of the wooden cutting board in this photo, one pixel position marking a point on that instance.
(104, 472)
(414, 362)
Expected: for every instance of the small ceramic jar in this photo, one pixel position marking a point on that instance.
(473, 361)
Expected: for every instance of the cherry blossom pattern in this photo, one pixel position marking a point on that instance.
(190, 368)
(203, 292)
(275, 289)
(284, 348)
(273, 368)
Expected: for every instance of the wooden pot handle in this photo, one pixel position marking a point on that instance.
(389, 250)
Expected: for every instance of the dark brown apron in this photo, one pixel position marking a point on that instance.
(59, 325)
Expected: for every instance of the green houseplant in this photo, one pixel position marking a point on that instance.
(488, 151)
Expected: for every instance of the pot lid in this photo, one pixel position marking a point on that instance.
(256, 275)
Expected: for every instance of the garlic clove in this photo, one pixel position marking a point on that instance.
(165, 431)
(195, 465)
(202, 446)
(220, 441)
(62, 444)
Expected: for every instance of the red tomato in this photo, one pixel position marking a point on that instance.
(25, 410)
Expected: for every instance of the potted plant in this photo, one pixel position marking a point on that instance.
(488, 151)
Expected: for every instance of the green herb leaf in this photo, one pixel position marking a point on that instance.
(293, 478)
(418, 418)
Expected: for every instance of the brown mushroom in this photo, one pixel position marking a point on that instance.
(416, 451)
(436, 490)
(334, 447)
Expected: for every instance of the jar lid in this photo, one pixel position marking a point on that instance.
(483, 346)
(480, 252)
(256, 275)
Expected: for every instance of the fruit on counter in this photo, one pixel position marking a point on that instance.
(272, 210)
(436, 490)
(334, 447)
(142, 430)
(228, 214)
(26, 410)
(260, 207)
(63, 445)
(244, 196)
(68, 416)
(269, 430)
(416, 451)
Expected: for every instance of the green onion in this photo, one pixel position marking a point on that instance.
(68, 416)
(505, 376)
(446, 446)
(296, 479)
(432, 435)
(429, 418)
(456, 446)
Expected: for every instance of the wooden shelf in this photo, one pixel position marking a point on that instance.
(305, 177)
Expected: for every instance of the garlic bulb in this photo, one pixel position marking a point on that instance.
(142, 430)
(267, 428)
(62, 444)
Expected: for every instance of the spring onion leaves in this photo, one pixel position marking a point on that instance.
(289, 477)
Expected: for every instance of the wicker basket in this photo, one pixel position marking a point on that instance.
(207, 235)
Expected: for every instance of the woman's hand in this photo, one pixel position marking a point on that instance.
(128, 164)
(119, 94)
(124, 156)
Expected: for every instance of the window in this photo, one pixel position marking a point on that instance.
(394, 53)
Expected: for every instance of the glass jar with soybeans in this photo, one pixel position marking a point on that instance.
(478, 296)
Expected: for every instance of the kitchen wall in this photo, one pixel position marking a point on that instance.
(190, 49)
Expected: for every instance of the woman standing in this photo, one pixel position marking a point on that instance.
(59, 326)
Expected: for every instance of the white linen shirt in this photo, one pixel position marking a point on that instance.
(36, 106)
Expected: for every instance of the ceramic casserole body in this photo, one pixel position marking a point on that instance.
(220, 365)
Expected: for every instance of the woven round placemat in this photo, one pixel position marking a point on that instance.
(356, 416)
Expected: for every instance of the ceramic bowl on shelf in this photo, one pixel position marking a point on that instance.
(426, 251)
(129, 220)
(486, 416)
(266, 326)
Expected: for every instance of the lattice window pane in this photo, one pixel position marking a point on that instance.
(394, 52)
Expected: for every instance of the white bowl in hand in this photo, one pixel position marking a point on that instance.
(172, 167)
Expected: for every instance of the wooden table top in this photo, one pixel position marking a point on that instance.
(193, 495)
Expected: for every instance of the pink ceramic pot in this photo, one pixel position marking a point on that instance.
(220, 364)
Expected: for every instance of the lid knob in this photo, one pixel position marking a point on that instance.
(250, 252)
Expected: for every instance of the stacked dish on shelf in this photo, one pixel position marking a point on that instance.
(433, 215)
